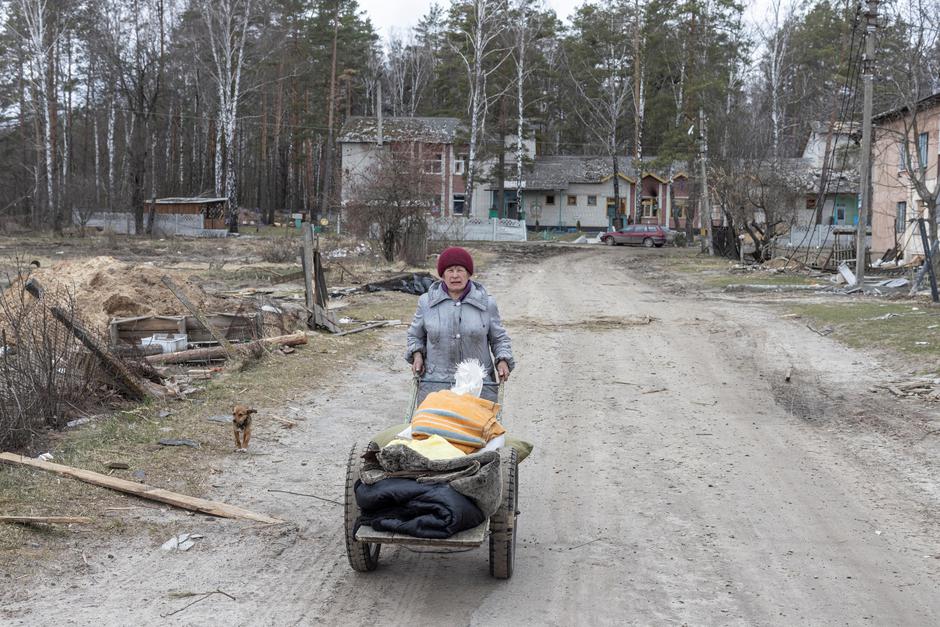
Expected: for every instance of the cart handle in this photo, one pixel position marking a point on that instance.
(416, 382)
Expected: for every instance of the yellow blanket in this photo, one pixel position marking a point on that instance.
(464, 420)
(434, 447)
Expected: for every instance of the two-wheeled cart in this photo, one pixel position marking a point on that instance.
(364, 545)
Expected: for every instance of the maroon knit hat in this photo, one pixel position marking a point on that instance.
(454, 256)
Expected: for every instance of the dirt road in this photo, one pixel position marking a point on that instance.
(677, 479)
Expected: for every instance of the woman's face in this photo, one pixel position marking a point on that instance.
(455, 278)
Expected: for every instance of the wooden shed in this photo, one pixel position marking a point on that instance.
(211, 210)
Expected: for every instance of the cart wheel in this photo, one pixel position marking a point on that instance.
(503, 522)
(363, 556)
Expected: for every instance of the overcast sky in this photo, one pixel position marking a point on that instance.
(403, 14)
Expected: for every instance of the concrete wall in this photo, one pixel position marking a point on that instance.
(166, 224)
(477, 229)
(357, 159)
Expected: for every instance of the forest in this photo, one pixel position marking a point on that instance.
(108, 103)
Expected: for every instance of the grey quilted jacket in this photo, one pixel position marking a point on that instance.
(447, 332)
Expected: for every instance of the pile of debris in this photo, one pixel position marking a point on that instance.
(102, 288)
(926, 388)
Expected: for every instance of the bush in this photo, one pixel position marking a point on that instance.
(279, 250)
(44, 371)
(679, 239)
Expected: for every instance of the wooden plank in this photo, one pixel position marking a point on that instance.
(204, 506)
(134, 387)
(466, 539)
(319, 280)
(217, 352)
(366, 327)
(325, 317)
(306, 258)
(59, 520)
(234, 326)
(178, 292)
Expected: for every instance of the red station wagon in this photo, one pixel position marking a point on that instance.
(648, 235)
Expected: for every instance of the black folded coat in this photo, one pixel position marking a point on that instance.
(417, 509)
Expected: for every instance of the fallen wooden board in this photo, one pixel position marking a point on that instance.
(60, 520)
(134, 387)
(218, 352)
(366, 327)
(181, 296)
(183, 501)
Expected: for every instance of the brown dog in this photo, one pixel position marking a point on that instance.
(241, 419)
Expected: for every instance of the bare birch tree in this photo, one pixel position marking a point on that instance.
(602, 82)
(133, 40)
(482, 56)
(525, 27)
(226, 24)
(40, 42)
(776, 32)
(409, 73)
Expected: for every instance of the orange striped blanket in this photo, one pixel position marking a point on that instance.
(464, 420)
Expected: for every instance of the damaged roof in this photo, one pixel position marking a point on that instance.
(805, 173)
(188, 201)
(557, 172)
(362, 129)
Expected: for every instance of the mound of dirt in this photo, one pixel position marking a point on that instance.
(103, 288)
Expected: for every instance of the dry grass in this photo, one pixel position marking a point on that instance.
(131, 436)
(904, 330)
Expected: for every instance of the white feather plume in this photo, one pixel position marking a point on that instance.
(469, 378)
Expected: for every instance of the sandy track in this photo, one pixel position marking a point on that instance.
(676, 479)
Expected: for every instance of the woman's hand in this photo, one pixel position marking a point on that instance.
(417, 364)
(502, 369)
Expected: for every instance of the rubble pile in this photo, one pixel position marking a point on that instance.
(925, 388)
(104, 288)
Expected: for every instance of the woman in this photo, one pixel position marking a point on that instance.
(457, 320)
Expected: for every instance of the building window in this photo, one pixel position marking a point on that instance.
(650, 208)
(572, 200)
(458, 204)
(680, 208)
(901, 221)
(433, 165)
(922, 141)
(839, 212)
(592, 201)
(549, 199)
(458, 167)
(902, 157)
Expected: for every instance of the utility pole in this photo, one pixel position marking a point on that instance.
(868, 72)
(326, 191)
(706, 213)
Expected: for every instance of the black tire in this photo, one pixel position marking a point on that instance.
(609, 241)
(363, 556)
(648, 243)
(503, 522)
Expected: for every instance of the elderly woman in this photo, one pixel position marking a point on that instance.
(457, 320)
